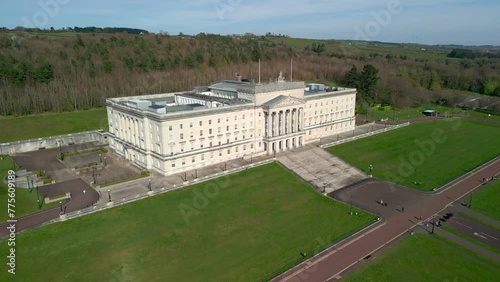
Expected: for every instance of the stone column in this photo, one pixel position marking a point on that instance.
(300, 116)
(276, 124)
(289, 121)
(283, 123)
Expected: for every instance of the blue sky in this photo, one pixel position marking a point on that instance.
(469, 22)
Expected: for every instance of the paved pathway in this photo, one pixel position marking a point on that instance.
(341, 257)
(79, 200)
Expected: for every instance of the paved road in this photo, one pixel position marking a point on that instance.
(474, 229)
(342, 257)
(79, 200)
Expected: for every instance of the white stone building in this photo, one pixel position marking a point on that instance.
(177, 132)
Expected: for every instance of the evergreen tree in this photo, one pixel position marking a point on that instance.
(351, 79)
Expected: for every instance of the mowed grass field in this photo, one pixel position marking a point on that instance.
(422, 258)
(429, 154)
(487, 200)
(36, 126)
(26, 201)
(251, 226)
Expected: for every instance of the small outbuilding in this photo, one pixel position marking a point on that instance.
(429, 113)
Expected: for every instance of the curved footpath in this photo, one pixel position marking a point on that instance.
(339, 258)
(79, 200)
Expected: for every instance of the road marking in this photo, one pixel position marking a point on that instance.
(479, 235)
(463, 224)
(489, 236)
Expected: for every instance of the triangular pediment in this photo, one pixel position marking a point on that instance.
(283, 101)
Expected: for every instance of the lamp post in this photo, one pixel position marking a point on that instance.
(105, 162)
(94, 175)
(149, 185)
(60, 149)
(100, 158)
(251, 157)
(371, 169)
(470, 200)
(109, 195)
(60, 206)
(324, 187)
(195, 173)
(351, 204)
(38, 199)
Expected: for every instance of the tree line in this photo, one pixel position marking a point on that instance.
(41, 73)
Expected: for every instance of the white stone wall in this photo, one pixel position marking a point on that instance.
(184, 141)
(329, 116)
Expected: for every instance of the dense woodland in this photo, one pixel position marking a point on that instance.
(68, 70)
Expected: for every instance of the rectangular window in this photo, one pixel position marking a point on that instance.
(191, 125)
(170, 129)
(210, 131)
(201, 123)
(182, 136)
(219, 130)
(227, 128)
(210, 144)
(180, 126)
(229, 151)
(218, 120)
(201, 132)
(209, 121)
(202, 157)
(243, 116)
(183, 161)
(193, 159)
(220, 153)
(173, 164)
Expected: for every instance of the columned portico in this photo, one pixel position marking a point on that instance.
(284, 116)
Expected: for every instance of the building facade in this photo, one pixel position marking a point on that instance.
(177, 132)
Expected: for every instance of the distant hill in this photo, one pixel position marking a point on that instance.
(78, 68)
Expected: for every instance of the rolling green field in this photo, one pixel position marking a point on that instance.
(26, 201)
(36, 126)
(424, 155)
(422, 258)
(486, 201)
(414, 113)
(249, 226)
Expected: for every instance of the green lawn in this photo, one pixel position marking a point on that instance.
(410, 113)
(257, 225)
(26, 201)
(388, 112)
(486, 200)
(422, 258)
(35, 126)
(431, 153)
